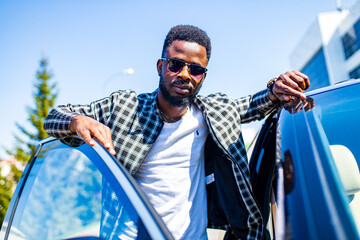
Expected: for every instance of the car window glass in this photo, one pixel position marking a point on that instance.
(67, 196)
(339, 113)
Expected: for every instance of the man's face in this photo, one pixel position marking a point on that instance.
(179, 89)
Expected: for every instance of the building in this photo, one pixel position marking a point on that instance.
(329, 52)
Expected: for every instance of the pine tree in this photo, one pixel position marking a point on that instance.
(5, 195)
(44, 97)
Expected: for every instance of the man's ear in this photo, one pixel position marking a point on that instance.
(159, 66)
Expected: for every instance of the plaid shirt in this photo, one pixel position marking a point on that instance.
(135, 123)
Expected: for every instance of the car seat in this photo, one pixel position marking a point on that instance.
(350, 177)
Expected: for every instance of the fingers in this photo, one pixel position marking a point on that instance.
(90, 129)
(78, 125)
(303, 79)
(293, 82)
(291, 85)
(86, 135)
(285, 92)
(103, 134)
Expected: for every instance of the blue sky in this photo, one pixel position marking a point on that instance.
(89, 43)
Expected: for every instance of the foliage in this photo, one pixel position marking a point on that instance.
(44, 97)
(5, 195)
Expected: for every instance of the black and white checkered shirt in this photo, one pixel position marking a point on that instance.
(135, 123)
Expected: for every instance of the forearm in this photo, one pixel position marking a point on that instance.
(255, 107)
(285, 87)
(57, 123)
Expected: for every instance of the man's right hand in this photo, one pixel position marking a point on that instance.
(90, 129)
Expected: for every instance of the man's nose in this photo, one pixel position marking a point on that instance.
(184, 73)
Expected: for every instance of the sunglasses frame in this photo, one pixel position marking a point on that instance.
(185, 64)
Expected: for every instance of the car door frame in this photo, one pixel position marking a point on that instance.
(152, 221)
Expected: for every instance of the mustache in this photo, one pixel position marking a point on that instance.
(182, 83)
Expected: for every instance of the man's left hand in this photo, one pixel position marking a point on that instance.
(291, 85)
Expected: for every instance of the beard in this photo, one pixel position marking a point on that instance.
(177, 101)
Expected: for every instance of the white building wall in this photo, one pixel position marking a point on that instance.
(310, 43)
(351, 19)
(345, 26)
(333, 49)
(326, 31)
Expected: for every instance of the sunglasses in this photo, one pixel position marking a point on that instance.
(176, 66)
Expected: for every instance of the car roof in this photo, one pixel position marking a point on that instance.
(341, 84)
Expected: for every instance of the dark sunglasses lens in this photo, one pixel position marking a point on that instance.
(175, 66)
(197, 71)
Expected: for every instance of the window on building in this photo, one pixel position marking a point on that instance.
(351, 40)
(357, 33)
(355, 73)
(316, 70)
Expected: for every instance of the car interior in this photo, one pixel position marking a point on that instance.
(348, 170)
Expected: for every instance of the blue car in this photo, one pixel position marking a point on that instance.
(304, 171)
(304, 166)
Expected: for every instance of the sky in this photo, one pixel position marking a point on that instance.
(90, 44)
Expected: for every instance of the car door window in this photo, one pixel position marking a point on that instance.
(338, 120)
(68, 195)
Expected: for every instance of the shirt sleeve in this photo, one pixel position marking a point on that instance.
(255, 107)
(58, 121)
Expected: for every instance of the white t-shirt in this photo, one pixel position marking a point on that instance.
(173, 176)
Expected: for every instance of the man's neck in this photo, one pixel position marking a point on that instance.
(169, 112)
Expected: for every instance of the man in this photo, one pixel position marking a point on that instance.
(186, 151)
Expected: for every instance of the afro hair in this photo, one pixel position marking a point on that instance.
(187, 33)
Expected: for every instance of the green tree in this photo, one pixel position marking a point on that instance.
(44, 97)
(5, 195)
